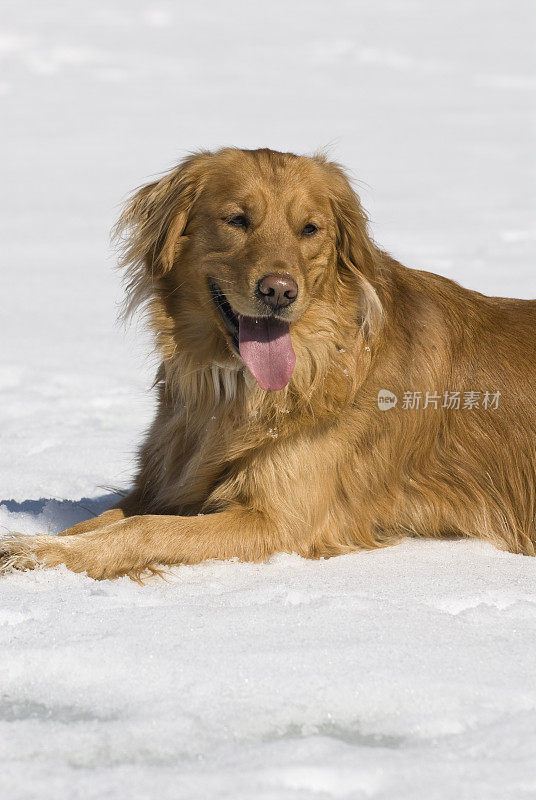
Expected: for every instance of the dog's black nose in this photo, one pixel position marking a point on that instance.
(277, 291)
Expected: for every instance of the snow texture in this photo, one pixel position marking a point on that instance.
(403, 673)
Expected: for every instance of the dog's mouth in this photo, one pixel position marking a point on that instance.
(264, 343)
(230, 319)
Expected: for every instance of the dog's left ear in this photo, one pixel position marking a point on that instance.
(155, 218)
(151, 231)
(357, 256)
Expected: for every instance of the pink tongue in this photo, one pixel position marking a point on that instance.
(266, 350)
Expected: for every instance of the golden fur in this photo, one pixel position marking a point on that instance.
(229, 470)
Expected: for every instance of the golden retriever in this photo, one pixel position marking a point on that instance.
(314, 395)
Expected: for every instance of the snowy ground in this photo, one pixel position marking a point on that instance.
(408, 673)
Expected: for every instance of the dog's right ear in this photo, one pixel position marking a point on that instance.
(151, 227)
(357, 255)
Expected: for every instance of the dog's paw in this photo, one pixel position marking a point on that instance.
(20, 552)
(17, 552)
(80, 553)
(101, 554)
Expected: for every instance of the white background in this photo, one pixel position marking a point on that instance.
(398, 674)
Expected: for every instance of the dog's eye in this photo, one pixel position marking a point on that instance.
(239, 221)
(309, 229)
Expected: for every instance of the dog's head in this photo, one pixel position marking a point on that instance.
(237, 250)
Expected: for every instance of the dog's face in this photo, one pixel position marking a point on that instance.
(262, 242)
(247, 242)
(252, 222)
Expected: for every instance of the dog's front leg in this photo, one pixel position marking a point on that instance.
(126, 507)
(138, 543)
(93, 524)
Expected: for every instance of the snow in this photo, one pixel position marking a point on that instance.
(404, 673)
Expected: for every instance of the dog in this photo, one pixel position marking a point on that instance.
(314, 395)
